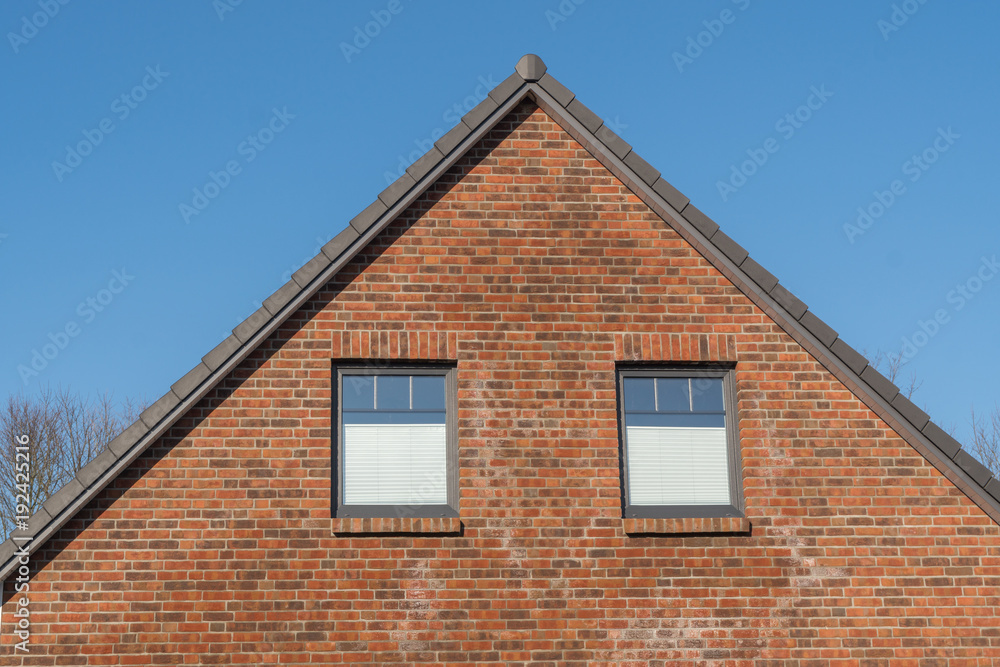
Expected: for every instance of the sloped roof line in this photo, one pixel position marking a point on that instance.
(877, 392)
(530, 80)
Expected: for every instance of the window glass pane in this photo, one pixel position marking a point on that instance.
(672, 395)
(638, 394)
(393, 440)
(706, 394)
(393, 417)
(428, 392)
(392, 392)
(359, 392)
(678, 454)
(683, 419)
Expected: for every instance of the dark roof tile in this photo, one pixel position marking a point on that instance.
(36, 522)
(730, 248)
(851, 357)
(701, 222)
(671, 195)
(615, 144)
(642, 169)
(941, 439)
(453, 138)
(908, 409)
(97, 466)
(559, 92)
(282, 296)
(249, 327)
(506, 88)
(221, 352)
(312, 268)
(58, 501)
(395, 192)
(880, 383)
(480, 113)
(590, 120)
(191, 380)
(425, 163)
(979, 473)
(757, 273)
(362, 221)
(788, 301)
(152, 415)
(339, 244)
(992, 487)
(7, 549)
(817, 327)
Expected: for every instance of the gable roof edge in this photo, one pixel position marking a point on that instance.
(909, 422)
(248, 336)
(530, 79)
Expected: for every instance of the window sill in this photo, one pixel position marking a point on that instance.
(687, 526)
(441, 526)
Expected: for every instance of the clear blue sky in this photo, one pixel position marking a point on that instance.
(199, 78)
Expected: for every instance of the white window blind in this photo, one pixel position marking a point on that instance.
(677, 466)
(395, 464)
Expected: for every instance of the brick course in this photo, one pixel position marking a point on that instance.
(535, 271)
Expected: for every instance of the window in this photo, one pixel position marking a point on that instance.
(394, 444)
(679, 439)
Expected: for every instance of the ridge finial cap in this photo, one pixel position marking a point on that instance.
(530, 67)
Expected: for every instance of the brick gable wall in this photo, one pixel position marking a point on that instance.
(534, 270)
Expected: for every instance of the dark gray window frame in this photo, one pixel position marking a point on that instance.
(736, 506)
(354, 367)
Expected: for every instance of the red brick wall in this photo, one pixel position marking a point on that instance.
(533, 269)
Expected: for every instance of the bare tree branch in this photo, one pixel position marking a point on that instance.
(986, 439)
(890, 365)
(985, 444)
(64, 432)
